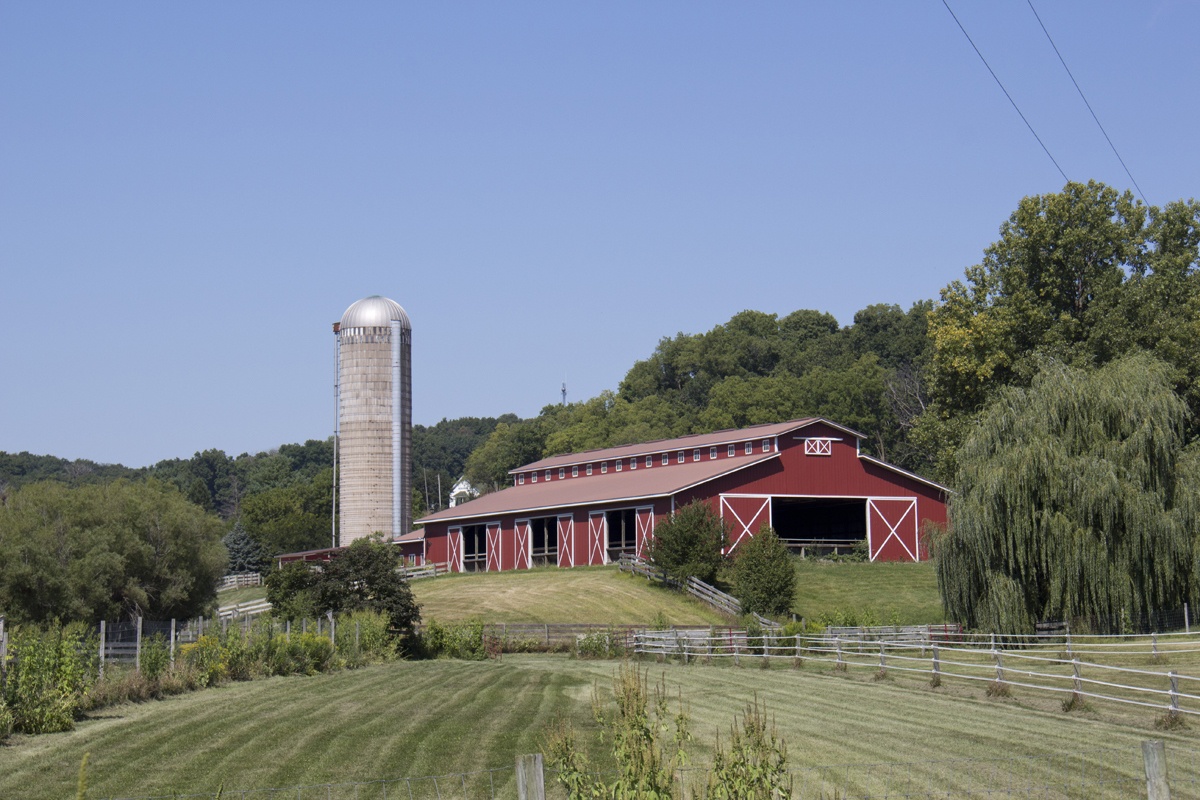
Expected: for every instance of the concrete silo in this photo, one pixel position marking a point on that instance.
(374, 416)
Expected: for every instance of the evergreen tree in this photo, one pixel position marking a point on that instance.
(245, 554)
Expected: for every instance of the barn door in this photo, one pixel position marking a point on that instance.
(597, 527)
(645, 531)
(566, 541)
(493, 547)
(744, 516)
(454, 560)
(892, 529)
(522, 545)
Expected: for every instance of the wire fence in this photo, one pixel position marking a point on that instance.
(1094, 774)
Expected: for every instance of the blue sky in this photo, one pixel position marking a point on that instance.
(190, 194)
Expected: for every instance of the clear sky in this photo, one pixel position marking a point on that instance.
(191, 193)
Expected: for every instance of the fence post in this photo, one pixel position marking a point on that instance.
(172, 642)
(798, 658)
(1174, 690)
(102, 625)
(1154, 645)
(882, 659)
(1078, 682)
(937, 664)
(531, 781)
(1069, 653)
(1154, 756)
(999, 667)
(287, 630)
(356, 632)
(3, 649)
(137, 653)
(736, 661)
(1187, 624)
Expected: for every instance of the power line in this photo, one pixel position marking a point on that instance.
(1006, 94)
(1085, 100)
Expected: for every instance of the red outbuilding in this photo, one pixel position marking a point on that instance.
(807, 478)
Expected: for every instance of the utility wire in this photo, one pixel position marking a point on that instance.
(1085, 100)
(1006, 94)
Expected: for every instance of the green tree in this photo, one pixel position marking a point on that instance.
(1076, 499)
(363, 576)
(690, 542)
(107, 551)
(764, 578)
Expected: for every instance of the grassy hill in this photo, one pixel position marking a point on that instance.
(601, 595)
(435, 718)
(886, 593)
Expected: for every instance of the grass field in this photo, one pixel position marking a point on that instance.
(892, 593)
(440, 717)
(600, 595)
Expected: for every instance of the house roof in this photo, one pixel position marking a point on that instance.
(629, 485)
(701, 440)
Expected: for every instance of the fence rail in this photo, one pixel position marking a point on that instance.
(1021, 667)
(239, 580)
(697, 588)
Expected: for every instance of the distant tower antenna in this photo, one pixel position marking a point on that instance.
(564, 393)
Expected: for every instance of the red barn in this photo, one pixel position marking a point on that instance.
(806, 478)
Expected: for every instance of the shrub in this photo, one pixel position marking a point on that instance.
(363, 637)
(763, 574)
(755, 766)
(457, 640)
(600, 644)
(690, 543)
(207, 657)
(6, 719)
(49, 674)
(156, 656)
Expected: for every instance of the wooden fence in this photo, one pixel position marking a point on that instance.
(239, 580)
(725, 603)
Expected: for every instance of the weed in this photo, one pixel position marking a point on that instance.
(880, 675)
(935, 680)
(1172, 720)
(1075, 702)
(998, 689)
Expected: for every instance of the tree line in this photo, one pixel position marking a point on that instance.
(1079, 285)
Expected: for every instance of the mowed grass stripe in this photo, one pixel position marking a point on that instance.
(413, 719)
(393, 720)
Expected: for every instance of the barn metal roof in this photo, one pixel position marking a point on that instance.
(629, 485)
(701, 440)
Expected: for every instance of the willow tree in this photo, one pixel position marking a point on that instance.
(1076, 500)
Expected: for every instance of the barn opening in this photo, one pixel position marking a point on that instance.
(820, 525)
(544, 531)
(622, 533)
(474, 548)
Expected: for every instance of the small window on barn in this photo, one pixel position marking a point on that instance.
(749, 448)
(603, 467)
(562, 473)
(696, 454)
(575, 471)
(649, 461)
(680, 458)
(547, 474)
(521, 479)
(666, 459)
(589, 469)
(712, 454)
(766, 445)
(533, 477)
(730, 451)
(818, 447)
(633, 463)
(620, 461)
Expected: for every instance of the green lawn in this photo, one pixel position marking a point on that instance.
(440, 717)
(600, 595)
(890, 592)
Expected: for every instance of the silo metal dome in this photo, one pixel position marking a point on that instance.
(375, 312)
